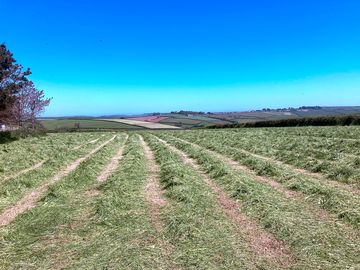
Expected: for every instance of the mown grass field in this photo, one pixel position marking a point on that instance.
(267, 198)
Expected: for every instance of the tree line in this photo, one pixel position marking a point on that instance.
(20, 101)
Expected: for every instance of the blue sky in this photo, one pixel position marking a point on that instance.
(114, 57)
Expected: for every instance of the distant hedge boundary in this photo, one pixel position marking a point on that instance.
(347, 120)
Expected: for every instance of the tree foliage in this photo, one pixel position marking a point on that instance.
(29, 103)
(12, 78)
(20, 101)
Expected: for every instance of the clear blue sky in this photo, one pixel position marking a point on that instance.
(112, 57)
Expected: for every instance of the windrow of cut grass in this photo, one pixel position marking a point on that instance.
(113, 164)
(30, 199)
(289, 193)
(321, 148)
(262, 243)
(39, 164)
(202, 235)
(317, 176)
(341, 167)
(43, 237)
(24, 153)
(350, 133)
(277, 137)
(317, 243)
(334, 132)
(344, 204)
(14, 189)
(334, 164)
(120, 234)
(338, 160)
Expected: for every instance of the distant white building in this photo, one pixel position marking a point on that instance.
(2, 127)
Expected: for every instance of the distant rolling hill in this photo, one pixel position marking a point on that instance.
(190, 119)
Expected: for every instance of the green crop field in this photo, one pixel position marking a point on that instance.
(56, 124)
(265, 198)
(191, 121)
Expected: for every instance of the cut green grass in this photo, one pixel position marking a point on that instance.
(120, 234)
(14, 189)
(24, 153)
(317, 243)
(82, 223)
(344, 204)
(202, 236)
(35, 239)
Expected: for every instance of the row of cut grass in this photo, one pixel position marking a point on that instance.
(322, 148)
(14, 189)
(202, 236)
(119, 234)
(338, 160)
(26, 152)
(345, 171)
(334, 132)
(345, 204)
(39, 238)
(316, 243)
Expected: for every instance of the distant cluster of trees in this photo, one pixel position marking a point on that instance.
(289, 109)
(189, 112)
(20, 101)
(293, 122)
(183, 112)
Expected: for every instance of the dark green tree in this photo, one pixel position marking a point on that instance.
(12, 79)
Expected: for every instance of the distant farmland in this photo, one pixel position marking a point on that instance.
(58, 124)
(144, 124)
(189, 120)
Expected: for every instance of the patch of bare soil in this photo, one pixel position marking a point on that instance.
(94, 141)
(113, 164)
(30, 199)
(155, 200)
(264, 244)
(153, 191)
(32, 168)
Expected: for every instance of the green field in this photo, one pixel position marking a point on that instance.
(256, 116)
(265, 198)
(57, 124)
(192, 121)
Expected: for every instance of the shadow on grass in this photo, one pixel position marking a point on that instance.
(7, 137)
